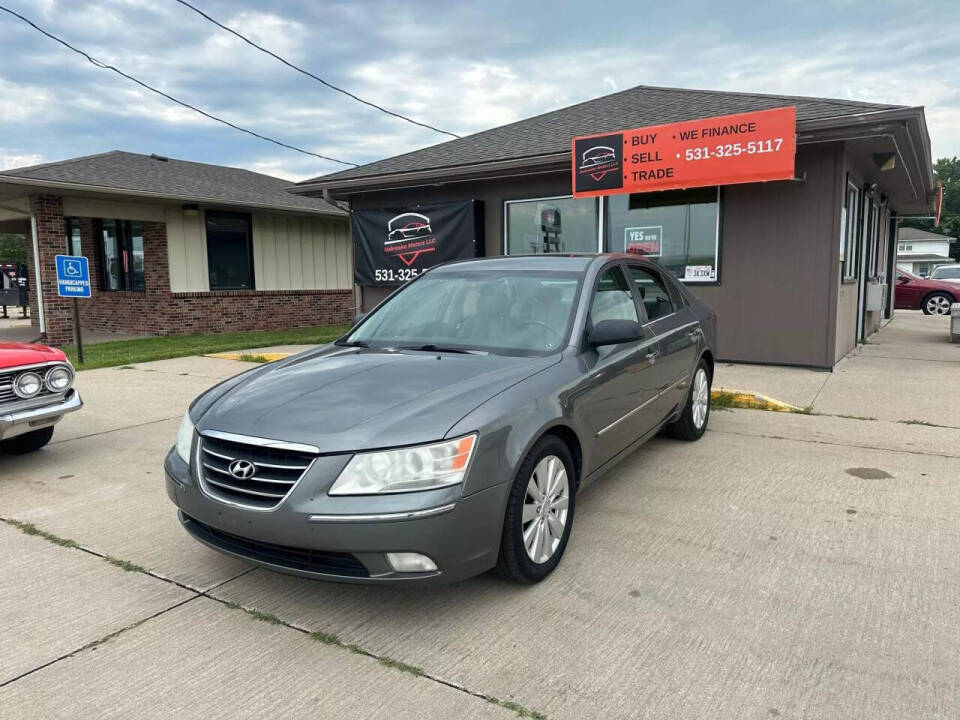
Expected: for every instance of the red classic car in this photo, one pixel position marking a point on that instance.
(35, 392)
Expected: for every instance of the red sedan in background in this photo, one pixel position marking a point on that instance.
(35, 392)
(916, 293)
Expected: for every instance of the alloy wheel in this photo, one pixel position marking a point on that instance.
(938, 305)
(700, 398)
(545, 509)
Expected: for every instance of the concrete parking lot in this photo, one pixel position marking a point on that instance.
(785, 566)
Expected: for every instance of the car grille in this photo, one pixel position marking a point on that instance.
(7, 378)
(318, 561)
(276, 471)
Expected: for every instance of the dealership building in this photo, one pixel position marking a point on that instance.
(177, 247)
(798, 269)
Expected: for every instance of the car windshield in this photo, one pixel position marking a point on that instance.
(516, 312)
(942, 273)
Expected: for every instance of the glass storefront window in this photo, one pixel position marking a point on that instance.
(678, 227)
(543, 225)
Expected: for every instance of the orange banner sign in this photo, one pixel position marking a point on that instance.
(724, 150)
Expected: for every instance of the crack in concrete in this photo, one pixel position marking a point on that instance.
(326, 638)
(835, 444)
(107, 432)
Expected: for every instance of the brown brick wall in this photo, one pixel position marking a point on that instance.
(157, 311)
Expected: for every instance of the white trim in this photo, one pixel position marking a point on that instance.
(36, 271)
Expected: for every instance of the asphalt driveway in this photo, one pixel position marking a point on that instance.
(784, 566)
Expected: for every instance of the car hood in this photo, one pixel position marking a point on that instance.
(14, 354)
(345, 399)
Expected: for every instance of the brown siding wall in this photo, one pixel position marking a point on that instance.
(777, 271)
(775, 300)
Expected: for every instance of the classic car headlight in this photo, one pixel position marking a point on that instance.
(185, 438)
(58, 378)
(408, 469)
(27, 384)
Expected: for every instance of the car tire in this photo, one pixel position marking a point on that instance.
(937, 303)
(692, 423)
(516, 561)
(28, 442)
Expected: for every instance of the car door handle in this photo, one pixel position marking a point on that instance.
(693, 334)
(652, 356)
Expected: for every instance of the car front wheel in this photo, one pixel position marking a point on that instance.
(937, 303)
(28, 442)
(539, 513)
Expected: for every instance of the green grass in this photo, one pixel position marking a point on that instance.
(254, 358)
(125, 352)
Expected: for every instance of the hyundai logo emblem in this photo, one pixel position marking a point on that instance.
(243, 469)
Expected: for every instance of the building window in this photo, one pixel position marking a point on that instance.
(873, 237)
(229, 251)
(121, 258)
(557, 224)
(73, 237)
(850, 241)
(681, 228)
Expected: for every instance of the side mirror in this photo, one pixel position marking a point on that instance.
(903, 279)
(614, 332)
(356, 319)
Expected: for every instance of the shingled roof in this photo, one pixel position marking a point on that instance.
(550, 133)
(125, 172)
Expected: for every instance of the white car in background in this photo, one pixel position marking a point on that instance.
(946, 273)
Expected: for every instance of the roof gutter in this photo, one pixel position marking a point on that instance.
(59, 185)
(807, 132)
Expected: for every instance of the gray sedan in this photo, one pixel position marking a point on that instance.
(449, 431)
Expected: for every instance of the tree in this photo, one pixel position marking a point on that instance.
(13, 248)
(948, 172)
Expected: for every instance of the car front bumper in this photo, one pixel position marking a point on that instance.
(314, 535)
(20, 421)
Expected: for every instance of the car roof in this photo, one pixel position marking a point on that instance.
(575, 262)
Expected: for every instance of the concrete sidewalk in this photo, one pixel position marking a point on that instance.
(907, 372)
(783, 566)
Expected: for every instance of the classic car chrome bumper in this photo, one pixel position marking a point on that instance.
(18, 422)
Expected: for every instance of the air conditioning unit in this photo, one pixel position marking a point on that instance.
(876, 292)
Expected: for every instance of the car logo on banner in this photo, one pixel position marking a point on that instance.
(409, 235)
(599, 163)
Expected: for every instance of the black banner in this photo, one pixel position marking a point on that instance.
(394, 245)
(598, 163)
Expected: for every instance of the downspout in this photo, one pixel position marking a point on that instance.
(36, 271)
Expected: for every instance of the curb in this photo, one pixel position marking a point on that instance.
(730, 397)
(267, 357)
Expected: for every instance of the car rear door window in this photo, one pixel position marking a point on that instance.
(612, 299)
(652, 291)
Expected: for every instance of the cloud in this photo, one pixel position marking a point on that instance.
(8, 162)
(460, 67)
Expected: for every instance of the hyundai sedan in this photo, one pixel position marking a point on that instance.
(449, 432)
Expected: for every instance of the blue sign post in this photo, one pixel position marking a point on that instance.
(73, 281)
(73, 276)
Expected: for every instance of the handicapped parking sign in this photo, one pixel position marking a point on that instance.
(73, 276)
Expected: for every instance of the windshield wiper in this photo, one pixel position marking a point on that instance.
(432, 347)
(355, 343)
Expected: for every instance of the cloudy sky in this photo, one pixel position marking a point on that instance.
(460, 66)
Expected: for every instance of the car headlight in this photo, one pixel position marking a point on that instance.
(185, 438)
(58, 378)
(27, 384)
(408, 469)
